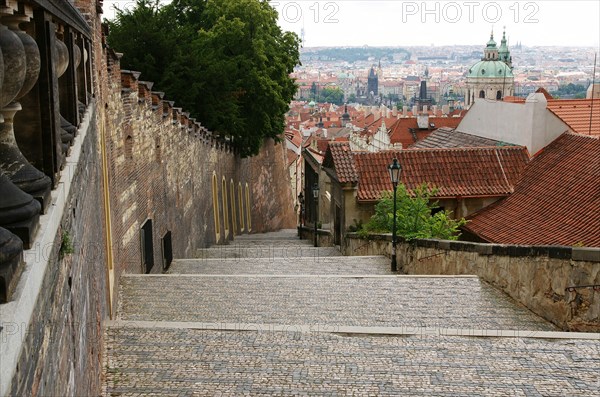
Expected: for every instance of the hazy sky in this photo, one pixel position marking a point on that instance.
(405, 23)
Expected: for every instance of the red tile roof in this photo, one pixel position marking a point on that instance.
(448, 137)
(339, 157)
(576, 114)
(465, 172)
(291, 157)
(400, 130)
(557, 200)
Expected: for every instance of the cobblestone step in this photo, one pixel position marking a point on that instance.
(175, 362)
(272, 315)
(285, 234)
(456, 302)
(287, 251)
(316, 265)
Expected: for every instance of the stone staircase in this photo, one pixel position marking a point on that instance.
(272, 315)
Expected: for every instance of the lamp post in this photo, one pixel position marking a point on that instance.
(315, 190)
(395, 168)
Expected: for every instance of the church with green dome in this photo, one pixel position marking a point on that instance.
(492, 77)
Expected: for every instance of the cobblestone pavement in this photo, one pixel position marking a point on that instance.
(172, 353)
(211, 363)
(372, 265)
(463, 302)
(264, 250)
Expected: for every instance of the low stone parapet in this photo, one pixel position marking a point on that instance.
(560, 284)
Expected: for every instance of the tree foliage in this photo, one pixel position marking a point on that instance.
(416, 216)
(225, 61)
(333, 95)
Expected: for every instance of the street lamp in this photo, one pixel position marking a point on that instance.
(395, 168)
(315, 190)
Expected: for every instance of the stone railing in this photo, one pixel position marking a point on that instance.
(560, 284)
(324, 237)
(45, 87)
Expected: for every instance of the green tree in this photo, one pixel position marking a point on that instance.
(332, 95)
(313, 91)
(225, 61)
(352, 98)
(416, 216)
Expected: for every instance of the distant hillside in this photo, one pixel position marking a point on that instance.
(353, 54)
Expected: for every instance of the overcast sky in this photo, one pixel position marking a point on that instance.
(406, 23)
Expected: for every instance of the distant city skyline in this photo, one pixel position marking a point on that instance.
(440, 23)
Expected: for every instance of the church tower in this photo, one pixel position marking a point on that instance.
(492, 77)
(373, 83)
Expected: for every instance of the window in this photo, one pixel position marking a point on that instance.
(146, 246)
(167, 250)
(129, 147)
(215, 192)
(481, 94)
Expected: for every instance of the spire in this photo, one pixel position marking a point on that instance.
(346, 116)
(490, 53)
(503, 51)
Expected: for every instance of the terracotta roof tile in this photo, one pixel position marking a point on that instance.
(400, 130)
(576, 114)
(339, 156)
(466, 172)
(449, 138)
(555, 202)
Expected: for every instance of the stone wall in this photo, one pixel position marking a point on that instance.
(56, 351)
(161, 167)
(538, 277)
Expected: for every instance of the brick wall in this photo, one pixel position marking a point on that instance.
(161, 165)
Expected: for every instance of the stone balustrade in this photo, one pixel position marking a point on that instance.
(45, 87)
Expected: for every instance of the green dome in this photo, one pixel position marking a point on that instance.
(312, 104)
(490, 69)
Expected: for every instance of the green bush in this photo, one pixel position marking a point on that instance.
(414, 216)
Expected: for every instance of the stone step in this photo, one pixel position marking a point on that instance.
(266, 251)
(267, 243)
(285, 234)
(394, 301)
(317, 265)
(167, 361)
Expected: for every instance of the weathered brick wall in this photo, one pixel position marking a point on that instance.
(61, 352)
(161, 166)
(537, 277)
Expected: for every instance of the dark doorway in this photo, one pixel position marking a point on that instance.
(167, 250)
(147, 247)
(337, 226)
